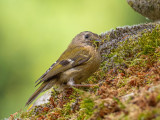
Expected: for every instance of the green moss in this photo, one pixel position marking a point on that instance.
(158, 97)
(148, 115)
(150, 41)
(129, 51)
(120, 104)
(67, 108)
(86, 109)
(122, 83)
(26, 114)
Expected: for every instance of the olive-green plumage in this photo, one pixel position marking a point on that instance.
(76, 64)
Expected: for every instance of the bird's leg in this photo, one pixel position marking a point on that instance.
(72, 83)
(85, 85)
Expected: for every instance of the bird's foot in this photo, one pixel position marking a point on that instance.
(72, 84)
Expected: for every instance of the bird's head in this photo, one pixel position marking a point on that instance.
(87, 38)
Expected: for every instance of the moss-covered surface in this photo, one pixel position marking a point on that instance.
(129, 82)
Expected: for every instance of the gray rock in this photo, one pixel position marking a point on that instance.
(147, 8)
(43, 99)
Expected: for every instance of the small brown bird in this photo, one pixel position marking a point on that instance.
(75, 65)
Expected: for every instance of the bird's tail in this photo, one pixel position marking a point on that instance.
(37, 92)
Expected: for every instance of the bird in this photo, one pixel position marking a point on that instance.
(76, 64)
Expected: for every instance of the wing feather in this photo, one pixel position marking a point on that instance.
(69, 59)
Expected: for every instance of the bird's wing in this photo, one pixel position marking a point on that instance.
(69, 59)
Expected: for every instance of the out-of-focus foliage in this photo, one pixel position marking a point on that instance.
(33, 34)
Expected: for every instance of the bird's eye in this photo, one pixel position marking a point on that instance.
(87, 36)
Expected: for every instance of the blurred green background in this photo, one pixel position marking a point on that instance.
(33, 34)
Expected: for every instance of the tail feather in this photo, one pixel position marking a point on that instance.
(36, 93)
